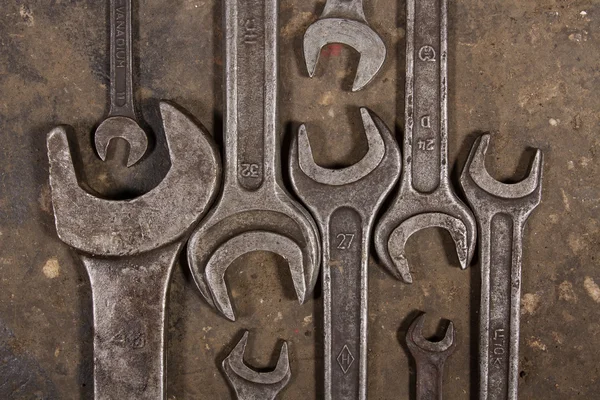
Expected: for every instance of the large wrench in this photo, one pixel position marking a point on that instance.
(426, 198)
(344, 203)
(343, 21)
(430, 358)
(250, 384)
(254, 211)
(129, 249)
(501, 210)
(121, 121)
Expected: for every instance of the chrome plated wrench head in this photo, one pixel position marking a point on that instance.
(250, 384)
(344, 22)
(426, 197)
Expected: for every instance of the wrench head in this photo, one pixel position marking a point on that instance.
(250, 384)
(355, 34)
(418, 343)
(475, 176)
(120, 228)
(124, 128)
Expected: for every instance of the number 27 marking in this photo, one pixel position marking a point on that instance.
(345, 240)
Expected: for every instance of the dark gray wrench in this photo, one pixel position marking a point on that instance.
(254, 211)
(344, 203)
(121, 121)
(129, 249)
(430, 358)
(343, 21)
(501, 210)
(426, 198)
(250, 384)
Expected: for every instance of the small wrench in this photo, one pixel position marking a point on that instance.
(343, 21)
(426, 198)
(430, 358)
(501, 210)
(129, 249)
(254, 210)
(344, 203)
(250, 384)
(121, 121)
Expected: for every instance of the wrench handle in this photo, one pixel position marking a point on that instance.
(345, 307)
(347, 9)
(500, 307)
(426, 105)
(251, 139)
(121, 60)
(129, 299)
(429, 380)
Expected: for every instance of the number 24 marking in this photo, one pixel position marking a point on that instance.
(345, 240)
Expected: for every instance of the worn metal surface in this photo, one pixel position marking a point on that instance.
(426, 198)
(501, 210)
(249, 384)
(345, 203)
(344, 22)
(524, 70)
(254, 210)
(129, 248)
(121, 121)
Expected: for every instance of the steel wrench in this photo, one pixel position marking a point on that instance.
(343, 21)
(254, 210)
(121, 121)
(501, 210)
(129, 249)
(344, 203)
(426, 198)
(253, 385)
(430, 358)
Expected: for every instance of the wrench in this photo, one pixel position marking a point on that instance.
(430, 358)
(254, 211)
(501, 210)
(250, 384)
(121, 121)
(344, 203)
(129, 249)
(343, 21)
(426, 198)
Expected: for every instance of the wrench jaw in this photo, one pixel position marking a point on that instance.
(355, 34)
(124, 128)
(250, 384)
(416, 340)
(122, 228)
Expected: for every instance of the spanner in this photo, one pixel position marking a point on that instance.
(253, 385)
(129, 248)
(501, 210)
(430, 358)
(121, 121)
(254, 210)
(344, 203)
(425, 198)
(343, 21)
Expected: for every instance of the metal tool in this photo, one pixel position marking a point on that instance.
(343, 21)
(254, 210)
(121, 121)
(426, 198)
(344, 203)
(253, 385)
(430, 358)
(129, 248)
(501, 210)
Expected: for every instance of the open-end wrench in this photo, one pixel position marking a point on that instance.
(254, 210)
(501, 210)
(253, 385)
(344, 203)
(429, 358)
(425, 198)
(343, 21)
(121, 121)
(129, 248)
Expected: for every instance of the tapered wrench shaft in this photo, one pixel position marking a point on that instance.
(121, 60)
